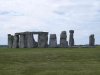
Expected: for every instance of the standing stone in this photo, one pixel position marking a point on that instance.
(43, 39)
(30, 42)
(22, 41)
(63, 39)
(91, 40)
(16, 41)
(53, 41)
(25, 39)
(10, 40)
(71, 38)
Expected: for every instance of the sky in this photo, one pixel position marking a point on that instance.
(53, 16)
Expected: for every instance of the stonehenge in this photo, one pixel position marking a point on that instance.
(26, 40)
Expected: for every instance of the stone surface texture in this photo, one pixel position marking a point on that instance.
(71, 38)
(10, 40)
(53, 41)
(43, 40)
(22, 41)
(63, 39)
(26, 40)
(91, 40)
(16, 41)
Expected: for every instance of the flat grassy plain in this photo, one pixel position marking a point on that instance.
(50, 61)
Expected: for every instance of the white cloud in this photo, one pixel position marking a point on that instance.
(50, 15)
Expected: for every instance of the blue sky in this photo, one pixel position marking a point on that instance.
(53, 16)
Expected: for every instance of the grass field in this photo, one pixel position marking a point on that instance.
(50, 61)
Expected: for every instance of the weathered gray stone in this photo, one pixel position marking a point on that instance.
(16, 41)
(63, 35)
(63, 39)
(29, 40)
(22, 41)
(10, 40)
(43, 40)
(53, 41)
(71, 38)
(91, 40)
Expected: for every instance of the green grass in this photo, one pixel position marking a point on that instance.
(50, 61)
